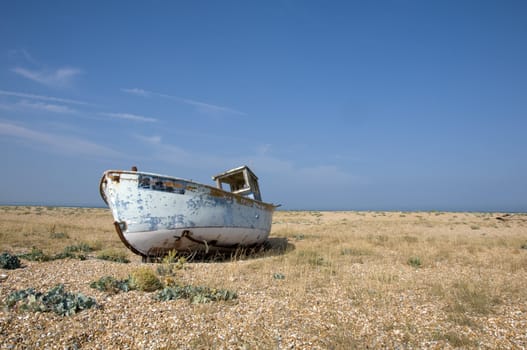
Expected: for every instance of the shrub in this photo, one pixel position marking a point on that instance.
(170, 257)
(36, 255)
(197, 295)
(414, 261)
(81, 247)
(112, 285)
(57, 300)
(113, 255)
(278, 276)
(9, 262)
(68, 252)
(145, 280)
(170, 265)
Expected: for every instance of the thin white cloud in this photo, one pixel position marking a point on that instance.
(208, 108)
(136, 91)
(47, 107)
(22, 54)
(151, 140)
(128, 116)
(61, 77)
(285, 171)
(203, 107)
(41, 97)
(178, 155)
(58, 143)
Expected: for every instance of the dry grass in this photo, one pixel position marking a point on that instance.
(52, 229)
(332, 280)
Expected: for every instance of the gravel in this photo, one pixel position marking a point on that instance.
(353, 301)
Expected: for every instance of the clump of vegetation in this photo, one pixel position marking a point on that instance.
(414, 261)
(145, 279)
(113, 255)
(112, 285)
(58, 235)
(81, 247)
(36, 255)
(9, 261)
(473, 297)
(197, 295)
(278, 276)
(56, 300)
(171, 263)
(524, 245)
(74, 252)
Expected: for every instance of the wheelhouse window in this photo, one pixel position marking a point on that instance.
(240, 181)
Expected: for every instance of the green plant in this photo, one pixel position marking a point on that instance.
(170, 257)
(113, 255)
(9, 262)
(112, 285)
(278, 276)
(81, 247)
(145, 279)
(197, 295)
(36, 255)
(171, 265)
(57, 300)
(414, 261)
(68, 252)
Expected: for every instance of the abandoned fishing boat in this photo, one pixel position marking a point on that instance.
(155, 214)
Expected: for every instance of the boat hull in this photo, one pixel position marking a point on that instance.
(155, 214)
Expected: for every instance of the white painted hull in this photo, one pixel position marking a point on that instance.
(155, 214)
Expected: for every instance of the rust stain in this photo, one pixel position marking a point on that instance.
(215, 192)
(173, 184)
(125, 242)
(244, 201)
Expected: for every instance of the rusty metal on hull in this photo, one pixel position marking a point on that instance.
(125, 242)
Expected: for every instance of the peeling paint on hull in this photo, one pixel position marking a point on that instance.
(155, 213)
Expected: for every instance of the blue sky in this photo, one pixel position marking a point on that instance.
(387, 105)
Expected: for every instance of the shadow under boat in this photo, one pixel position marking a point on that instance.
(274, 246)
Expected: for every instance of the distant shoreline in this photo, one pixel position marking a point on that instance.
(79, 206)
